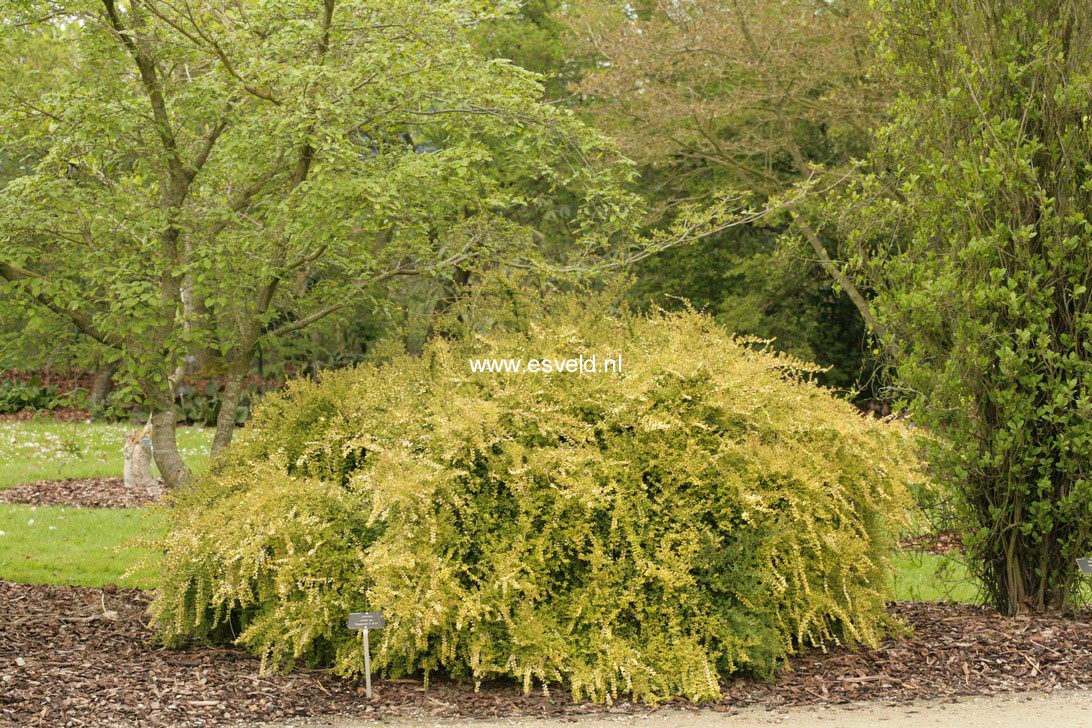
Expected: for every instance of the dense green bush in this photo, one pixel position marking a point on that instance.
(17, 395)
(705, 512)
(973, 230)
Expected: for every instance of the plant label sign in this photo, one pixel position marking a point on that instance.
(1085, 565)
(365, 621)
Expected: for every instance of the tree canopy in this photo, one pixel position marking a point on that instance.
(204, 174)
(770, 100)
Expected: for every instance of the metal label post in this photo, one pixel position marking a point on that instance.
(367, 665)
(365, 621)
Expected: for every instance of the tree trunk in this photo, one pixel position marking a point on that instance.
(229, 404)
(174, 470)
(138, 459)
(102, 384)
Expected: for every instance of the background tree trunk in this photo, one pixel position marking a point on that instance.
(102, 384)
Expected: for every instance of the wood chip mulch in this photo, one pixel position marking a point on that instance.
(83, 493)
(73, 656)
(935, 543)
(956, 649)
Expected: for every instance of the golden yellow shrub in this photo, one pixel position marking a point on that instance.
(704, 512)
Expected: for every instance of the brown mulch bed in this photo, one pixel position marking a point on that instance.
(76, 656)
(83, 493)
(936, 543)
(956, 649)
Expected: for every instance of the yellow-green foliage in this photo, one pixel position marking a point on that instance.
(704, 512)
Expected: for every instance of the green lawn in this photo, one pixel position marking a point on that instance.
(48, 450)
(926, 577)
(74, 546)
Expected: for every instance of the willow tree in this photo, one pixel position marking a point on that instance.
(218, 171)
(974, 229)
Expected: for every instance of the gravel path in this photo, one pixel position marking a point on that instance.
(1068, 708)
